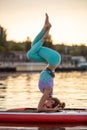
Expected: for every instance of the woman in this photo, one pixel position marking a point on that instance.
(53, 58)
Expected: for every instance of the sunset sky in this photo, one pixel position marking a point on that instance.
(24, 18)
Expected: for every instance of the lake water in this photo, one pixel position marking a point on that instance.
(21, 90)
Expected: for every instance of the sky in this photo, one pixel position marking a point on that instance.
(23, 18)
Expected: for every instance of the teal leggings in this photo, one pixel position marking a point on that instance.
(43, 54)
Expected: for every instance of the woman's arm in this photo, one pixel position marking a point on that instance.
(55, 109)
(41, 106)
(45, 96)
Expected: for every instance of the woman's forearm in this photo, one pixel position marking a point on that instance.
(48, 109)
(45, 96)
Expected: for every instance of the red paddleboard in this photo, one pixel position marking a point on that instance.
(30, 115)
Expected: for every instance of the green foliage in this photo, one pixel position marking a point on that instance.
(26, 44)
(1, 48)
(60, 48)
(3, 36)
(74, 50)
(48, 42)
(17, 47)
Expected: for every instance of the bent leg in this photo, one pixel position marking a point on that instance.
(51, 56)
(46, 27)
(38, 37)
(33, 52)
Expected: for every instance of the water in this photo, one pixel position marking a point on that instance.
(21, 90)
(43, 128)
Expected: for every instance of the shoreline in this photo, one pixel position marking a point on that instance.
(63, 69)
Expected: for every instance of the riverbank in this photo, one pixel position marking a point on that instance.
(70, 69)
(36, 67)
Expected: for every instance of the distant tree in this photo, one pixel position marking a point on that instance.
(3, 36)
(83, 49)
(60, 48)
(1, 48)
(16, 47)
(49, 42)
(27, 44)
(78, 50)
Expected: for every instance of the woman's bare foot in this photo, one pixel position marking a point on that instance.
(47, 19)
(46, 35)
(47, 24)
(46, 27)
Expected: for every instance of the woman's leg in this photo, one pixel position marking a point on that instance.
(38, 37)
(52, 57)
(35, 47)
(33, 52)
(38, 42)
(46, 27)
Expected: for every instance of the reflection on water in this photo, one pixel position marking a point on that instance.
(51, 128)
(21, 89)
(44, 128)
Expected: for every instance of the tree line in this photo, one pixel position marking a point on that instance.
(74, 50)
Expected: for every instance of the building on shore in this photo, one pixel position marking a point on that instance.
(76, 60)
(18, 60)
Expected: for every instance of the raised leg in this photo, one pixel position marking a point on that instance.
(44, 30)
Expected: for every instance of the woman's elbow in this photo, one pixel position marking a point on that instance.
(39, 109)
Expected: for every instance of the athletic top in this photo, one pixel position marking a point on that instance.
(45, 80)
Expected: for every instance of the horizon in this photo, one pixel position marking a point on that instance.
(25, 19)
(59, 43)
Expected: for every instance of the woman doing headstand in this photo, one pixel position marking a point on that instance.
(53, 58)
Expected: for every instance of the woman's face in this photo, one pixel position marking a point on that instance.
(49, 103)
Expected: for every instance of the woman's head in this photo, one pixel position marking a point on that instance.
(53, 102)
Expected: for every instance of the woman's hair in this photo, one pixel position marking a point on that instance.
(58, 103)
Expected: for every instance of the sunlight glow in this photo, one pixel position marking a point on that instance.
(68, 18)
